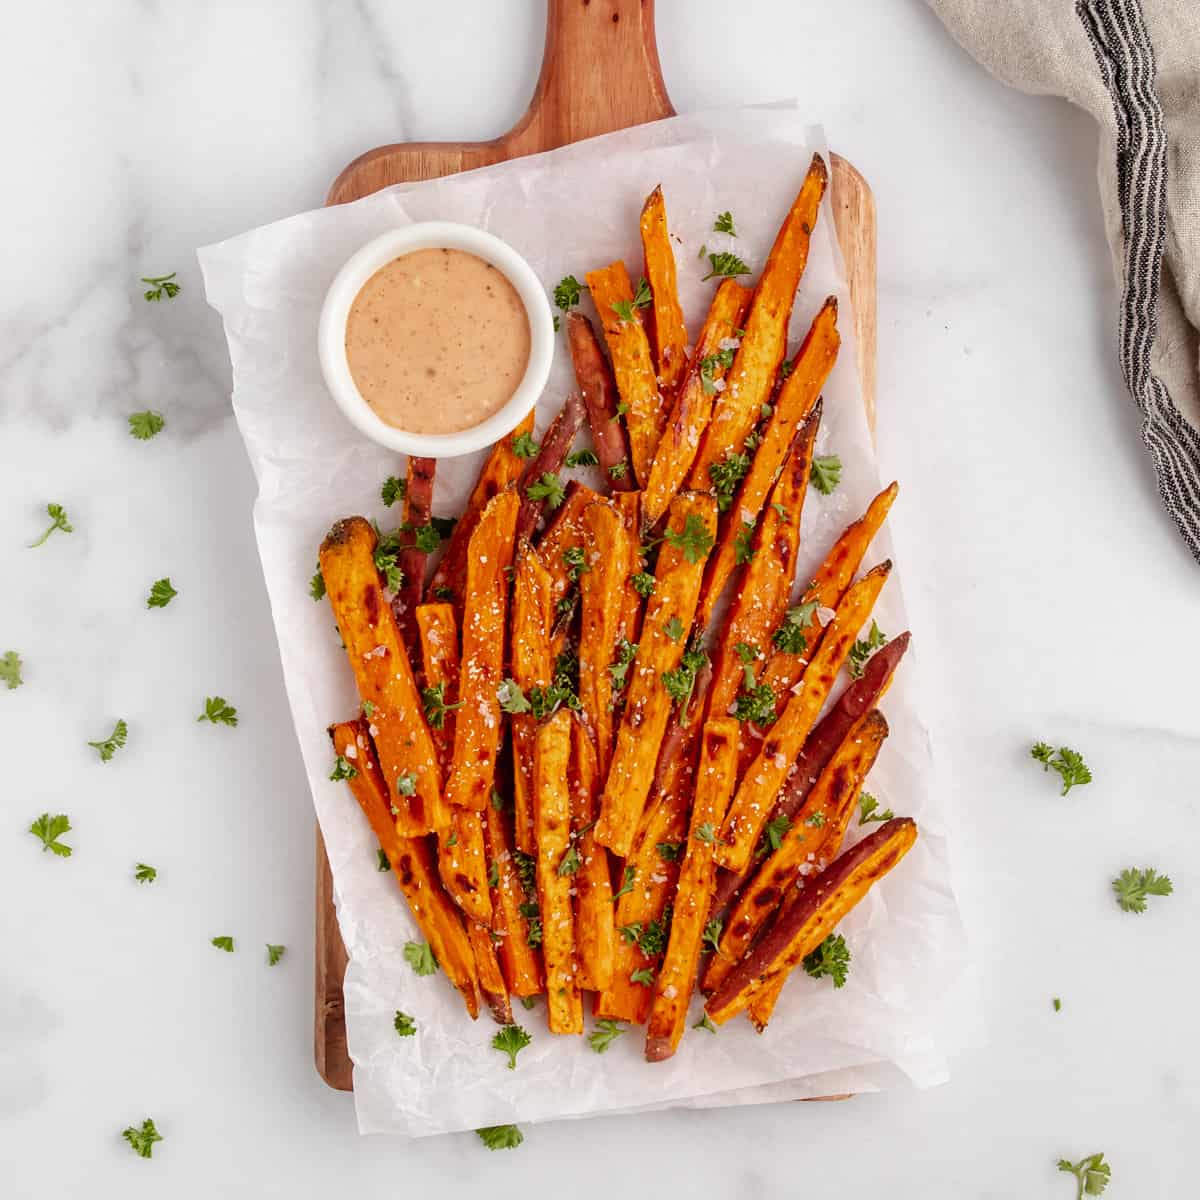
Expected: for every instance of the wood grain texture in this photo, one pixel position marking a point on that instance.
(600, 73)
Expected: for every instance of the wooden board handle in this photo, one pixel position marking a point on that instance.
(600, 72)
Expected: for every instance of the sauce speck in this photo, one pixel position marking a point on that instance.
(437, 341)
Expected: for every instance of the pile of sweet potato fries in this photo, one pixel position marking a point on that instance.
(586, 774)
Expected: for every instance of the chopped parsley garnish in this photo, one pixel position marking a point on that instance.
(382, 862)
(511, 1040)
(575, 562)
(403, 1024)
(161, 594)
(712, 934)
(160, 286)
(144, 873)
(316, 585)
(641, 299)
(706, 832)
(548, 488)
(669, 851)
(626, 882)
(606, 1032)
(862, 650)
(790, 637)
(756, 705)
(406, 783)
(642, 975)
(274, 954)
(419, 956)
(621, 409)
(642, 583)
(748, 655)
(387, 559)
(523, 446)
(58, 520)
(618, 470)
(144, 425)
(705, 1024)
(726, 473)
(570, 862)
(393, 489)
(113, 742)
(726, 265)
(225, 942)
(141, 1141)
(681, 682)
(1133, 886)
(777, 828)
(867, 806)
(567, 291)
(343, 769)
(694, 540)
(815, 820)
(743, 543)
(218, 712)
(511, 697)
(709, 366)
(724, 224)
(826, 473)
(618, 669)
(433, 700)
(581, 458)
(832, 958)
(673, 629)
(1068, 763)
(49, 829)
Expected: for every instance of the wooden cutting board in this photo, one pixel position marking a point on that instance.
(600, 72)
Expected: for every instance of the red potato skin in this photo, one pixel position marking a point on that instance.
(418, 508)
(861, 695)
(556, 445)
(599, 391)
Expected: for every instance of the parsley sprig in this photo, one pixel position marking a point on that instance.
(867, 806)
(756, 705)
(567, 292)
(826, 473)
(862, 650)
(403, 1024)
(141, 1141)
(217, 711)
(724, 224)
(144, 425)
(1133, 886)
(606, 1032)
(511, 1040)
(791, 637)
(393, 489)
(433, 700)
(111, 744)
(10, 670)
(419, 956)
(722, 360)
(725, 265)
(160, 286)
(549, 488)
(49, 829)
(1092, 1174)
(161, 593)
(58, 521)
(500, 1137)
(1067, 762)
(831, 958)
(641, 299)
(726, 473)
(680, 683)
(144, 873)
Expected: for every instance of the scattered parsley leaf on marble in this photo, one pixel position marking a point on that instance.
(218, 712)
(826, 473)
(606, 1032)
(832, 958)
(1067, 762)
(58, 520)
(161, 594)
(316, 585)
(274, 954)
(50, 829)
(113, 742)
(144, 425)
(403, 1024)
(566, 292)
(161, 285)
(705, 1024)
(724, 224)
(1133, 886)
(867, 810)
(381, 861)
(1092, 1174)
(10, 669)
(144, 873)
(500, 1137)
(224, 943)
(726, 265)
(142, 1140)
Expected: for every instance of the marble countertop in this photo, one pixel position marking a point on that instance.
(1050, 599)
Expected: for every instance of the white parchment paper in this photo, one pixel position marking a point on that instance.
(567, 212)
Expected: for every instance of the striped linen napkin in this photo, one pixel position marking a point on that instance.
(1135, 66)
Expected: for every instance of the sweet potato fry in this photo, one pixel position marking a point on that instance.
(814, 916)
(532, 666)
(632, 364)
(669, 334)
(500, 470)
(514, 907)
(795, 402)
(552, 825)
(412, 863)
(602, 584)
(669, 615)
(804, 848)
(756, 795)
(563, 535)
(677, 976)
(752, 376)
(595, 933)
(785, 666)
(766, 580)
(477, 726)
(418, 506)
(694, 398)
(462, 860)
(384, 678)
(629, 506)
(491, 978)
(825, 738)
(556, 444)
(596, 384)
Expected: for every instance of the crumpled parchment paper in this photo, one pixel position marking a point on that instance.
(568, 211)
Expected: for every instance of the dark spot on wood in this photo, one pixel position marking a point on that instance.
(370, 603)
(616, 17)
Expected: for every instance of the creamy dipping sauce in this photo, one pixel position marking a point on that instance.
(437, 341)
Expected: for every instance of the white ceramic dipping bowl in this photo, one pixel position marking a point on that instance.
(438, 235)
